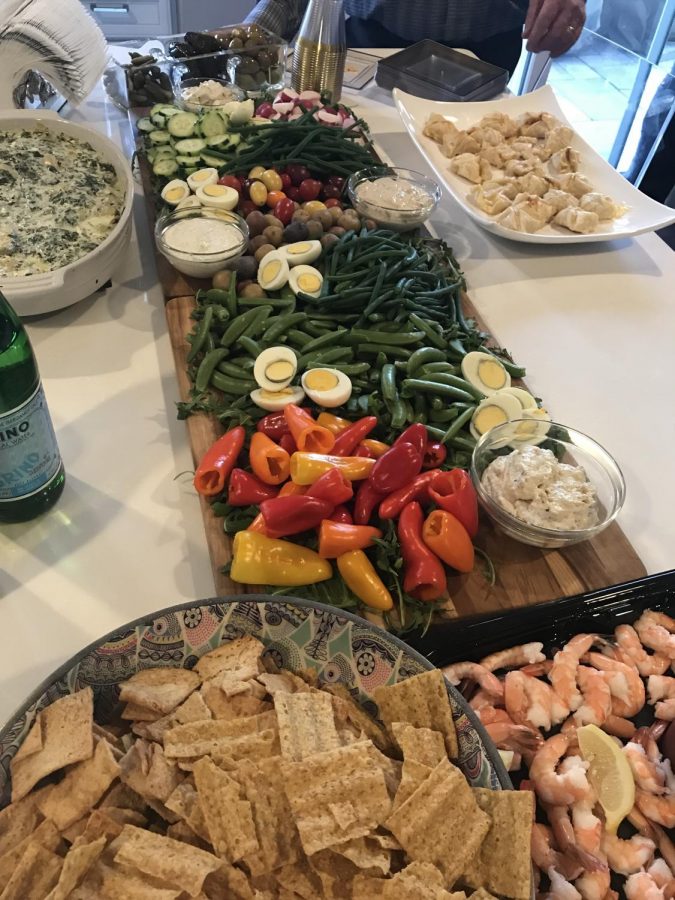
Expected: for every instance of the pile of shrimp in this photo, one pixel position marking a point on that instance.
(532, 710)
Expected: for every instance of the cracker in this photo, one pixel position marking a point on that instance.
(203, 737)
(366, 854)
(208, 739)
(421, 701)
(79, 859)
(240, 656)
(503, 863)
(418, 881)
(391, 768)
(108, 823)
(181, 831)
(365, 887)
(347, 708)
(482, 894)
(35, 875)
(227, 699)
(336, 796)
(121, 795)
(306, 724)
(18, 823)
(146, 770)
(441, 823)
(282, 683)
(117, 882)
(412, 776)
(229, 819)
(66, 737)
(228, 883)
(421, 745)
(194, 709)
(336, 872)
(82, 787)
(300, 879)
(161, 857)
(185, 803)
(137, 713)
(46, 835)
(159, 690)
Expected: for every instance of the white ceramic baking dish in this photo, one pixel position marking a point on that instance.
(32, 295)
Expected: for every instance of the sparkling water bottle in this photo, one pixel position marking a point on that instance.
(321, 49)
(31, 470)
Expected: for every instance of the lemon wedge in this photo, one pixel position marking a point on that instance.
(609, 773)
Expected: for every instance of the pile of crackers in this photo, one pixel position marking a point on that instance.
(236, 782)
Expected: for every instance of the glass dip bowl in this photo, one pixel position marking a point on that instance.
(398, 199)
(183, 86)
(200, 242)
(569, 446)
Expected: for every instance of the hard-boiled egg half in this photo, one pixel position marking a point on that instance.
(190, 202)
(306, 280)
(273, 271)
(175, 191)
(302, 252)
(531, 428)
(275, 368)
(485, 372)
(202, 177)
(327, 387)
(219, 196)
(525, 398)
(273, 401)
(494, 411)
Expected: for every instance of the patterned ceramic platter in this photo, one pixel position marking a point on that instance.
(298, 634)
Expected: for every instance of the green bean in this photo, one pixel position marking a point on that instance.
(323, 340)
(237, 327)
(433, 336)
(231, 299)
(232, 385)
(257, 325)
(438, 367)
(352, 368)
(388, 383)
(206, 367)
(274, 302)
(250, 346)
(217, 295)
(392, 352)
(298, 338)
(458, 424)
(209, 343)
(443, 416)
(398, 415)
(281, 324)
(410, 385)
(424, 356)
(227, 367)
(200, 336)
(316, 330)
(244, 362)
(386, 337)
(323, 357)
(454, 381)
(513, 370)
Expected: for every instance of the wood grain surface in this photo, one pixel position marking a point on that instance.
(524, 575)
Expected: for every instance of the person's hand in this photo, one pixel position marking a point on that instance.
(553, 25)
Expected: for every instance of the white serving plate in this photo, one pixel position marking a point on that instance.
(644, 214)
(32, 295)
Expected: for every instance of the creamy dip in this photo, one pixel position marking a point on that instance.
(202, 236)
(395, 201)
(532, 485)
(209, 93)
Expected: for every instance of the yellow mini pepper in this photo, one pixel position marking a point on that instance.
(306, 468)
(257, 559)
(377, 448)
(332, 423)
(359, 575)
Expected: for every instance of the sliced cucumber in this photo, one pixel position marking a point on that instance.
(169, 111)
(212, 123)
(187, 160)
(182, 125)
(164, 150)
(236, 139)
(165, 167)
(222, 141)
(190, 147)
(159, 137)
(212, 160)
(145, 124)
(191, 171)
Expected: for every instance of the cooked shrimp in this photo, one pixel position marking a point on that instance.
(480, 699)
(642, 886)
(628, 857)
(628, 690)
(629, 641)
(656, 632)
(506, 734)
(566, 837)
(532, 702)
(597, 705)
(563, 674)
(475, 672)
(514, 657)
(657, 809)
(622, 728)
(593, 885)
(660, 687)
(665, 709)
(655, 833)
(557, 789)
(660, 872)
(536, 670)
(560, 888)
(546, 856)
(647, 773)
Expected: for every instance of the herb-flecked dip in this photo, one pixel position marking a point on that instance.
(59, 199)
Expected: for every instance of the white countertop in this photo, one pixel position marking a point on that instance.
(593, 323)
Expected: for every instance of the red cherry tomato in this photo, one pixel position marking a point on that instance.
(285, 182)
(331, 191)
(231, 181)
(293, 193)
(284, 210)
(298, 173)
(337, 180)
(246, 186)
(310, 189)
(332, 201)
(274, 197)
(246, 207)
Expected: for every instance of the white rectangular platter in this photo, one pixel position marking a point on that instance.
(643, 214)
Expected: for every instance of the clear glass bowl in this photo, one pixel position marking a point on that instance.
(180, 83)
(197, 264)
(384, 210)
(571, 447)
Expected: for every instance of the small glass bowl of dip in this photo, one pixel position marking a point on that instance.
(200, 242)
(398, 199)
(218, 92)
(569, 446)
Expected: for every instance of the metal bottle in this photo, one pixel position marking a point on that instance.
(321, 49)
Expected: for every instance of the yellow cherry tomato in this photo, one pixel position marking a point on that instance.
(271, 180)
(313, 205)
(256, 172)
(258, 193)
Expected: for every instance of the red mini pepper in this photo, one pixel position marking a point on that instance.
(218, 461)
(245, 489)
(308, 434)
(290, 515)
(435, 455)
(274, 426)
(288, 444)
(364, 452)
(341, 514)
(367, 499)
(270, 462)
(424, 576)
(348, 440)
(332, 486)
(290, 489)
(396, 468)
(418, 489)
(454, 492)
(416, 435)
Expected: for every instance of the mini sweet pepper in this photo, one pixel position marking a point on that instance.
(332, 423)
(454, 492)
(423, 576)
(218, 461)
(367, 499)
(418, 489)
(257, 559)
(336, 538)
(445, 536)
(341, 514)
(290, 489)
(270, 462)
(396, 468)
(359, 575)
(247, 490)
(291, 515)
(308, 434)
(377, 448)
(414, 434)
(349, 439)
(333, 486)
(274, 426)
(306, 468)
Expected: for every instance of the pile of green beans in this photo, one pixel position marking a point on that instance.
(404, 364)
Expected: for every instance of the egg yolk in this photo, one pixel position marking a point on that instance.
(215, 190)
(271, 270)
(320, 380)
(274, 395)
(492, 374)
(489, 417)
(201, 176)
(279, 370)
(308, 283)
(525, 430)
(174, 194)
(298, 248)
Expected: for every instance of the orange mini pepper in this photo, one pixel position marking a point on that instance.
(377, 448)
(445, 536)
(308, 434)
(270, 462)
(332, 423)
(336, 538)
(306, 468)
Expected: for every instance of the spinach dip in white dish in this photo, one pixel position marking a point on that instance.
(59, 199)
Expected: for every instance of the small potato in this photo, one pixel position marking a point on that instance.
(252, 290)
(274, 234)
(301, 216)
(370, 224)
(221, 280)
(272, 220)
(296, 231)
(256, 223)
(349, 221)
(314, 230)
(263, 251)
(335, 213)
(324, 216)
(337, 230)
(256, 242)
(328, 240)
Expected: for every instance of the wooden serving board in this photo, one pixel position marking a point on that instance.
(524, 575)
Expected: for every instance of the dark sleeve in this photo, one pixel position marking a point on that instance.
(283, 17)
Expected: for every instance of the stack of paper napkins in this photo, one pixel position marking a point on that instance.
(58, 39)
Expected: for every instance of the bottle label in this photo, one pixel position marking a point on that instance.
(29, 454)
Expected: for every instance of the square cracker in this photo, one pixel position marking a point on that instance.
(66, 737)
(82, 787)
(306, 724)
(229, 819)
(35, 875)
(159, 690)
(418, 881)
(147, 771)
(336, 796)
(482, 894)
(441, 823)
(218, 738)
(185, 803)
(421, 701)
(421, 745)
(116, 882)
(412, 776)
(365, 887)
(240, 656)
(348, 710)
(503, 863)
(46, 835)
(79, 859)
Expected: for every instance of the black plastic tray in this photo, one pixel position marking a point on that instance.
(552, 623)
(436, 72)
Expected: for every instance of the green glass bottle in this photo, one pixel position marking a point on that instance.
(31, 470)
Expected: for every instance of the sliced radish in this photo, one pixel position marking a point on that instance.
(329, 118)
(265, 110)
(310, 95)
